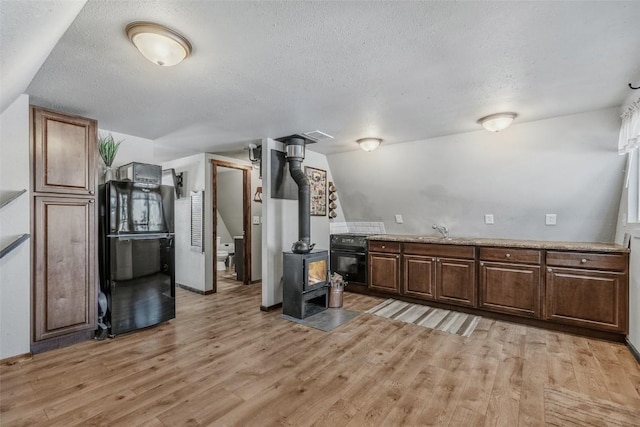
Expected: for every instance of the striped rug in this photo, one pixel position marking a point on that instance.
(452, 322)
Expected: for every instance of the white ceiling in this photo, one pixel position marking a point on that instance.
(401, 71)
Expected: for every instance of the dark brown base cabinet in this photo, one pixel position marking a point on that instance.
(440, 273)
(384, 267)
(592, 299)
(456, 281)
(508, 284)
(420, 276)
(586, 290)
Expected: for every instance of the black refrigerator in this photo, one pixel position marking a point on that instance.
(137, 254)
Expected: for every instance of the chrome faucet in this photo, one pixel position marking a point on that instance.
(442, 229)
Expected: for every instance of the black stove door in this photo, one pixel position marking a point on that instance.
(351, 265)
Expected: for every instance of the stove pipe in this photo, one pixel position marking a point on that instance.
(295, 156)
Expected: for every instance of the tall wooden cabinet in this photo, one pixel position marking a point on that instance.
(64, 290)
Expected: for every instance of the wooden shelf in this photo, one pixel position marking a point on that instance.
(11, 198)
(11, 246)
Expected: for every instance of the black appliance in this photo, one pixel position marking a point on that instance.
(305, 283)
(137, 254)
(305, 273)
(349, 257)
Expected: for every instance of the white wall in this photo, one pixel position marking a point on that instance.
(634, 260)
(190, 264)
(280, 219)
(565, 165)
(195, 269)
(15, 268)
(230, 199)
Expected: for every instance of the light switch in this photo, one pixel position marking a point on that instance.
(488, 219)
(256, 220)
(550, 219)
(399, 219)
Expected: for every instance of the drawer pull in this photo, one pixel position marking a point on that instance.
(508, 255)
(583, 260)
(383, 246)
(481, 264)
(549, 270)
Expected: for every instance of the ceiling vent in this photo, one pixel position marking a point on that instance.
(316, 135)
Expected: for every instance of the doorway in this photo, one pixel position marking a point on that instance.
(226, 178)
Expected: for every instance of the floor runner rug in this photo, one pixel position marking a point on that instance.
(452, 322)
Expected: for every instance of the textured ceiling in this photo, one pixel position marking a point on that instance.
(401, 71)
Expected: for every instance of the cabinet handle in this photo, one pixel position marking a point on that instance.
(91, 192)
(433, 259)
(383, 246)
(91, 201)
(481, 264)
(583, 260)
(508, 255)
(549, 270)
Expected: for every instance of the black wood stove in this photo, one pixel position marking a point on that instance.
(305, 271)
(305, 278)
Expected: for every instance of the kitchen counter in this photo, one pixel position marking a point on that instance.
(505, 243)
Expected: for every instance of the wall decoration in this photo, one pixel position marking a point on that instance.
(318, 183)
(333, 205)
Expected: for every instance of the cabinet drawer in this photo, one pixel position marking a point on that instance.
(381, 246)
(445, 251)
(616, 262)
(525, 256)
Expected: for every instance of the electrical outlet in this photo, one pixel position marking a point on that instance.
(399, 219)
(488, 219)
(550, 219)
(256, 220)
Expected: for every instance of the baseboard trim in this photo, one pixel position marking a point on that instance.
(15, 359)
(62, 341)
(253, 282)
(194, 290)
(271, 307)
(634, 351)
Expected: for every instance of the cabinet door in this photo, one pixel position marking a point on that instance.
(419, 276)
(64, 277)
(589, 298)
(384, 272)
(456, 280)
(510, 288)
(65, 153)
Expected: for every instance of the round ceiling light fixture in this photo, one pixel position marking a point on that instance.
(158, 44)
(497, 122)
(369, 144)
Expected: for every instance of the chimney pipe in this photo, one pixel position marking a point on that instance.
(295, 155)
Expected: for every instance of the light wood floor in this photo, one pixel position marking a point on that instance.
(224, 362)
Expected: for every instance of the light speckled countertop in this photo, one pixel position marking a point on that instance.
(505, 243)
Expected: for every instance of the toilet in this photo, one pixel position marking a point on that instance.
(221, 256)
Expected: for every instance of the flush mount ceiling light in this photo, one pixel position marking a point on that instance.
(158, 44)
(369, 144)
(497, 122)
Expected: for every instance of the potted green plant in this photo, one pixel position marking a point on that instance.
(108, 147)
